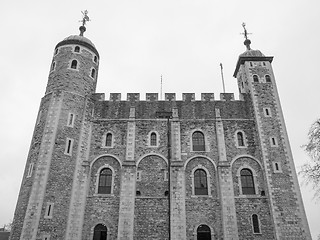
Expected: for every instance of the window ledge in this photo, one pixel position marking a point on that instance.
(250, 196)
(103, 195)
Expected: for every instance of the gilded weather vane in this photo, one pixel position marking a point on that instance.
(84, 20)
(247, 42)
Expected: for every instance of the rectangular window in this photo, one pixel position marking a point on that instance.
(267, 112)
(49, 210)
(139, 175)
(276, 167)
(69, 145)
(273, 142)
(30, 170)
(70, 120)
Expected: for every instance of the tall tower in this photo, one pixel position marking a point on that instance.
(256, 78)
(51, 198)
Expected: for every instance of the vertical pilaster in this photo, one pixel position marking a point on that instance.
(177, 183)
(128, 185)
(80, 182)
(32, 217)
(229, 218)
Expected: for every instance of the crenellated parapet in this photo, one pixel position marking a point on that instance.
(152, 97)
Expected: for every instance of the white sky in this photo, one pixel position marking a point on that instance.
(138, 40)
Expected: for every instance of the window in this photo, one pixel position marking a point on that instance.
(255, 223)
(53, 65)
(100, 232)
(198, 141)
(49, 210)
(267, 112)
(200, 182)
(276, 167)
(139, 175)
(153, 139)
(240, 139)
(255, 78)
(30, 170)
(39, 117)
(268, 78)
(68, 149)
(56, 51)
(203, 233)
(247, 183)
(95, 59)
(70, 120)
(93, 73)
(77, 49)
(108, 140)
(46, 237)
(74, 64)
(105, 181)
(273, 142)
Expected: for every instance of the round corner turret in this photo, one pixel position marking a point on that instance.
(74, 66)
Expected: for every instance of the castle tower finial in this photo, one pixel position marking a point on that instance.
(246, 42)
(85, 19)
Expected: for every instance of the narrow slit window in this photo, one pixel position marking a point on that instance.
(74, 64)
(93, 73)
(56, 51)
(53, 65)
(77, 49)
(95, 59)
(274, 142)
(69, 144)
(49, 210)
(70, 120)
(267, 112)
(165, 175)
(139, 175)
(240, 139)
(255, 223)
(30, 170)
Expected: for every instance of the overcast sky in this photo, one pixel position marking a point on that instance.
(138, 40)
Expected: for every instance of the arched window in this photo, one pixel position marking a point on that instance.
(247, 183)
(93, 73)
(203, 233)
(74, 64)
(255, 78)
(108, 142)
(255, 223)
(105, 181)
(198, 141)
(77, 49)
(268, 78)
(240, 139)
(100, 232)
(153, 139)
(95, 59)
(200, 182)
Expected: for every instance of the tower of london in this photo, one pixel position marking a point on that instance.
(104, 168)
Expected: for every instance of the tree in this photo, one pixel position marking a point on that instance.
(7, 227)
(311, 170)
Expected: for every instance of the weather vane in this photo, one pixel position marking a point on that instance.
(245, 31)
(85, 17)
(247, 42)
(84, 20)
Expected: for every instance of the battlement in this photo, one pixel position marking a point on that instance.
(153, 97)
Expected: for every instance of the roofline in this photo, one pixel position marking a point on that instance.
(241, 60)
(75, 41)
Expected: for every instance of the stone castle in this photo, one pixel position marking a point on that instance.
(158, 169)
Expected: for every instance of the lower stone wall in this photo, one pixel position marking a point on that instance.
(151, 218)
(245, 207)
